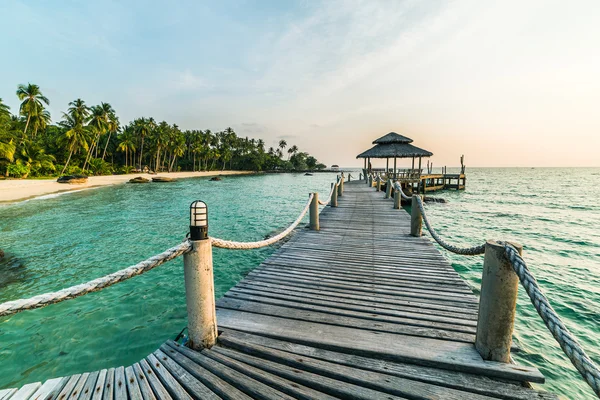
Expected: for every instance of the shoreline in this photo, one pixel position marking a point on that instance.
(16, 190)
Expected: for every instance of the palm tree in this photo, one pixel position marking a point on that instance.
(282, 146)
(127, 144)
(292, 150)
(32, 99)
(35, 157)
(40, 121)
(4, 110)
(112, 123)
(74, 121)
(98, 122)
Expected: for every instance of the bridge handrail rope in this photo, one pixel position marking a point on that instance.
(325, 202)
(569, 344)
(42, 300)
(227, 244)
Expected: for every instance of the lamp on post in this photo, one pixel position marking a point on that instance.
(199, 281)
(198, 220)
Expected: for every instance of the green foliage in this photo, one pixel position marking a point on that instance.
(18, 170)
(90, 140)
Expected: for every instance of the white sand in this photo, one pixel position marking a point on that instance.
(12, 190)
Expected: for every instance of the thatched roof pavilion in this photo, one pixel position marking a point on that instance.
(393, 146)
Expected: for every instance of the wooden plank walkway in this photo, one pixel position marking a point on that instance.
(358, 310)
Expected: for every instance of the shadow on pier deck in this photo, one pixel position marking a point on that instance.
(357, 310)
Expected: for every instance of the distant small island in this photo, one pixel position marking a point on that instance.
(90, 140)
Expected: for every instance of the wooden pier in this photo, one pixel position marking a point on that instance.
(357, 310)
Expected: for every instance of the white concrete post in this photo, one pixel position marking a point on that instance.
(334, 195)
(314, 212)
(397, 199)
(200, 295)
(416, 219)
(497, 304)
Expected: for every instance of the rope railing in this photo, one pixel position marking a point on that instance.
(569, 344)
(228, 244)
(42, 300)
(571, 347)
(325, 202)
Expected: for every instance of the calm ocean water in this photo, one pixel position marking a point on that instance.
(60, 241)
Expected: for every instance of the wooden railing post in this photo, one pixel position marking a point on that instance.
(416, 219)
(397, 199)
(370, 180)
(360, 176)
(379, 184)
(199, 281)
(497, 304)
(341, 186)
(314, 212)
(388, 189)
(334, 195)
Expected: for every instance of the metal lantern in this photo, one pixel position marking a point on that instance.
(198, 220)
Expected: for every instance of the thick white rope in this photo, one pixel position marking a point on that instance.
(571, 347)
(324, 203)
(226, 244)
(42, 300)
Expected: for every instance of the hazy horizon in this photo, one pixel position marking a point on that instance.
(507, 84)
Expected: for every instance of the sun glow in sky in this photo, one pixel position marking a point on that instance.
(507, 83)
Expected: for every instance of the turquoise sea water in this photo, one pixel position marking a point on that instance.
(59, 241)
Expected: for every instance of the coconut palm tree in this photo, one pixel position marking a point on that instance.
(282, 146)
(292, 150)
(4, 110)
(76, 134)
(98, 122)
(40, 121)
(127, 144)
(32, 102)
(112, 123)
(34, 156)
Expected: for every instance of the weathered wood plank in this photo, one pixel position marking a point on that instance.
(157, 387)
(168, 381)
(6, 394)
(99, 385)
(144, 385)
(120, 384)
(444, 354)
(213, 382)
(68, 388)
(192, 385)
(88, 388)
(26, 391)
(444, 378)
(109, 385)
(133, 388)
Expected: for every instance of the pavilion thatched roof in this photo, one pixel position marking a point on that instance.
(397, 150)
(392, 137)
(394, 145)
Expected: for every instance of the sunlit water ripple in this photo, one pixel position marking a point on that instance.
(69, 239)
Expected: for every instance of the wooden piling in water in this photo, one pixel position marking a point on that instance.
(416, 219)
(314, 212)
(497, 304)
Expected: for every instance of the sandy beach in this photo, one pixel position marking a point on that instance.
(13, 190)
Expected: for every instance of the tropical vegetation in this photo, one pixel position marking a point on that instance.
(90, 140)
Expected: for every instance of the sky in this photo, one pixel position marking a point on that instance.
(506, 83)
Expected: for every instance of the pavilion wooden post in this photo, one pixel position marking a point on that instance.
(395, 176)
(387, 165)
(413, 164)
(497, 304)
